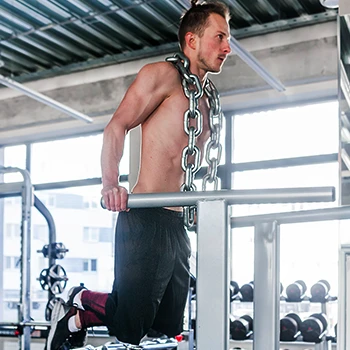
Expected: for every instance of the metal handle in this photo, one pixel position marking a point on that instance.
(259, 196)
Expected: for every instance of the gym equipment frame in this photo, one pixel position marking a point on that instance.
(213, 232)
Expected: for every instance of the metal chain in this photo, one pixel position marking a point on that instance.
(191, 154)
(214, 149)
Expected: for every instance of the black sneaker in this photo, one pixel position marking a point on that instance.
(71, 295)
(59, 332)
(77, 339)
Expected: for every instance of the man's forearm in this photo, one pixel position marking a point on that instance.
(112, 152)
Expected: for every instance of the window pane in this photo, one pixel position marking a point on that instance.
(299, 176)
(93, 265)
(284, 133)
(76, 225)
(85, 265)
(14, 156)
(73, 265)
(71, 159)
(106, 234)
(308, 251)
(40, 232)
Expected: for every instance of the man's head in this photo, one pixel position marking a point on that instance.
(204, 36)
(196, 19)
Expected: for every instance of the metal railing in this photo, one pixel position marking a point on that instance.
(266, 270)
(213, 260)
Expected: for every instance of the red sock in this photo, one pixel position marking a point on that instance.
(94, 301)
(89, 319)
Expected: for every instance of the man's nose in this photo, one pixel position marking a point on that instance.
(227, 47)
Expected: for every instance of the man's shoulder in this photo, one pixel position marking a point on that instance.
(160, 69)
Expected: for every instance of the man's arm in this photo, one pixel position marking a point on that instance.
(144, 95)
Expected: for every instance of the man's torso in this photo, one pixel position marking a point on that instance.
(164, 138)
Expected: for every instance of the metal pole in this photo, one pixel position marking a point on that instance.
(44, 99)
(343, 336)
(260, 196)
(27, 202)
(2, 235)
(213, 276)
(266, 286)
(24, 303)
(338, 213)
(253, 63)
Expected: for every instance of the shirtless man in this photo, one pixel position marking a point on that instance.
(152, 248)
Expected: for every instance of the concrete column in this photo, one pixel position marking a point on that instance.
(344, 7)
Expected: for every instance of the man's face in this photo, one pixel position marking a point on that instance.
(214, 45)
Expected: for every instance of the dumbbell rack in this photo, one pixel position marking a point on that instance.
(317, 297)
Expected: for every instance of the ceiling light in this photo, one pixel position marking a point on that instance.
(330, 4)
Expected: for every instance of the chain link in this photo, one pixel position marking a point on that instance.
(191, 154)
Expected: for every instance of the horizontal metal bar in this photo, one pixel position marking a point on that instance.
(44, 99)
(31, 323)
(253, 63)
(285, 162)
(14, 189)
(11, 189)
(327, 214)
(260, 196)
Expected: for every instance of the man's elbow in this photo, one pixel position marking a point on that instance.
(115, 128)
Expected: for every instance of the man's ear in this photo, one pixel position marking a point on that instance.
(191, 40)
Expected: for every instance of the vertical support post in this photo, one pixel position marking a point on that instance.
(24, 307)
(266, 286)
(343, 336)
(2, 239)
(213, 275)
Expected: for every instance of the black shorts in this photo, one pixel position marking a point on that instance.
(152, 251)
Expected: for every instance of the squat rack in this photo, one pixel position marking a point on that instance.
(214, 222)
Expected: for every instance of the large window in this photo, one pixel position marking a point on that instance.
(88, 233)
(71, 159)
(81, 224)
(284, 133)
(14, 156)
(309, 251)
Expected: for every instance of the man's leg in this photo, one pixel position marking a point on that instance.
(170, 316)
(145, 256)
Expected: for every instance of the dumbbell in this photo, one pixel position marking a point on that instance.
(314, 328)
(241, 328)
(247, 292)
(296, 291)
(320, 292)
(234, 290)
(290, 327)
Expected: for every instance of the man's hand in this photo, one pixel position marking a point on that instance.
(115, 198)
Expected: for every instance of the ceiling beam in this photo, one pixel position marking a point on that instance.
(44, 99)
